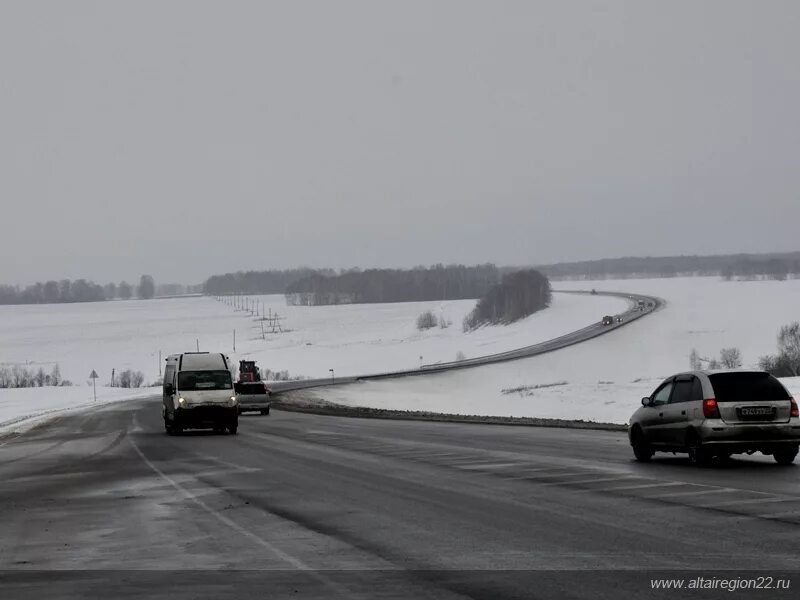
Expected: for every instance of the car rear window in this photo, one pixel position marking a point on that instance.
(747, 387)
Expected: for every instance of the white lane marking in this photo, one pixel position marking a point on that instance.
(696, 492)
(295, 562)
(748, 501)
(599, 480)
(792, 513)
(479, 466)
(637, 487)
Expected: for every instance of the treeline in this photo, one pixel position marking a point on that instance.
(23, 377)
(259, 282)
(745, 266)
(80, 290)
(439, 282)
(520, 294)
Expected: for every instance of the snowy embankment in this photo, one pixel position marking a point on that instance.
(605, 378)
(351, 339)
(23, 408)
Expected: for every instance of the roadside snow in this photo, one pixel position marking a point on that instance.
(351, 339)
(23, 408)
(607, 376)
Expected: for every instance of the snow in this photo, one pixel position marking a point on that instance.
(25, 407)
(351, 339)
(605, 377)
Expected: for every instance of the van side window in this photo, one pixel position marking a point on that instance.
(169, 375)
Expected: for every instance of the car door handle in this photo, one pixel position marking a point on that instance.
(660, 414)
(683, 412)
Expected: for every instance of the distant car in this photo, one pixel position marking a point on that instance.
(640, 305)
(716, 414)
(608, 320)
(619, 319)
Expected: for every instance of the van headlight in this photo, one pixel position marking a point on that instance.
(182, 401)
(234, 401)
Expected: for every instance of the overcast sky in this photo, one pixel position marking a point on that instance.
(188, 138)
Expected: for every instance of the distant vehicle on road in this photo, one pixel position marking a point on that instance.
(619, 319)
(252, 393)
(640, 305)
(198, 393)
(608, 320)
(716, 414)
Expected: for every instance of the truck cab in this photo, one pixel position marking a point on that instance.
(198, 393)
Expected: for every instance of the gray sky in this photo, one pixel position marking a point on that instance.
(188, 138)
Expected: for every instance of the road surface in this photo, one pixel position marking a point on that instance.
(307, 506)
(593, 330)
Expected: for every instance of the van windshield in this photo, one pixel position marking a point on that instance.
(747, 387)
(204, 380)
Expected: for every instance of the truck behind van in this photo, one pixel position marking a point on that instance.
(198, 393)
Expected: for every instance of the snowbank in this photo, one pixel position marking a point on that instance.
(25, 407)
(351, 339)
(607, 376)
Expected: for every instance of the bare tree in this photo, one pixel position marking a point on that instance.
(426, 320)
(730, 358)
(147, 287)
(694, 361)
(789, 347)
(124, 290)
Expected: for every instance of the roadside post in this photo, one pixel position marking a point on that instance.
(333, 379)
(94, 377)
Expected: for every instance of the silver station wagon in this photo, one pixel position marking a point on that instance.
(711, 414)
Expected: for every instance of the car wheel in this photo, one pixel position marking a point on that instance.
(697, 454)
(233, 429)
(641, 449)
(785, 456)
(219, 430)
(265, 411)
(167, 427)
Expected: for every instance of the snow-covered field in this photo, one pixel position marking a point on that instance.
(351, 339)
(602, 379)
(605, 378)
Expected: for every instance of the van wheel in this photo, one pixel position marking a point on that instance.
(265, 411)
(233, 429)
(641, 449)
(697, 454)
(167, 427)
(785, 456)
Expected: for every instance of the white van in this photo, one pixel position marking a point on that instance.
(198, 393)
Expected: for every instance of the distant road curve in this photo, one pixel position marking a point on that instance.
(594, 330)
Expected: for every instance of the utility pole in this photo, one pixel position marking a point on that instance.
(234, 340)
(197, 342)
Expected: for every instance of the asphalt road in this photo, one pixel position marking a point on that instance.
(307, 506)
(593, 330)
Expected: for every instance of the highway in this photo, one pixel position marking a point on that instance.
(308, 506)
(593, 330)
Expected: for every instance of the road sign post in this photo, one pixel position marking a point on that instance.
(94, 377)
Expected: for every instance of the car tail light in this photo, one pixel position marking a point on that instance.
(795, 412)
(711, 409)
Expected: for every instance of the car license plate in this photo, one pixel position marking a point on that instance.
(755, 412)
